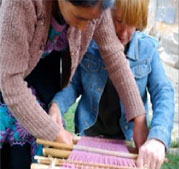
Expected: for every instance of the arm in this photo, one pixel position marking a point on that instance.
(152, 152)
(60, 104)
(162, 98)
(17, 28)
(117, 66)
(63, 136)
(65, 98)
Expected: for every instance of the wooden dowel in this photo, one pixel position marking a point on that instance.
(55, 144)
(56, 152)
(42, 166)
(78, 164)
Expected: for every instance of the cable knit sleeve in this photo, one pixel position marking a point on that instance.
(17, 26)
(117, 66)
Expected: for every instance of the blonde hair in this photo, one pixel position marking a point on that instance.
(133, 12)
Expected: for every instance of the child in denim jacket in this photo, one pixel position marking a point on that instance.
(100, 110)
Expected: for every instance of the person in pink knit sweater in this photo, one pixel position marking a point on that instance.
(41, 44)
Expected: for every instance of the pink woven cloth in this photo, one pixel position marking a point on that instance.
(104, 144)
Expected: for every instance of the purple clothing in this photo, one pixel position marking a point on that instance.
(11, 131)
(57, 38)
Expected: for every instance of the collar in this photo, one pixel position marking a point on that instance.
(132, 52)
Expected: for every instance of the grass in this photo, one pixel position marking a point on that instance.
(173, 159)
(175, 144)
(173, 162)
(69, 118)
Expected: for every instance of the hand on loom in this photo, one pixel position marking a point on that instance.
(63, 136)
(140, 131)
(151, 154)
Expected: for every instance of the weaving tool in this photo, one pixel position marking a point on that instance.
(89, 153)
(64, 150)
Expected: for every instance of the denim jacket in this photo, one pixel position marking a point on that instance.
(90, 79)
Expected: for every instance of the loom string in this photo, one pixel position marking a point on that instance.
(69, 148)
(60, 162)
(105, 159)
(101, 145)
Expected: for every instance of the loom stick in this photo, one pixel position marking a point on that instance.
(56, 152)
(42, 166)
(78, 164)
(83, 148)
(55, 144)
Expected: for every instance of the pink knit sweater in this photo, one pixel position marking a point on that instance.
(24, 26)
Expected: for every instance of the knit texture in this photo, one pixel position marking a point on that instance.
(24, 26)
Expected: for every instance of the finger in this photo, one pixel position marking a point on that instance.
(53, 118)
(140, 161)
(59, 121)
(68, 141)
(159, 162)
(147, 156)
(69, 138)
(153, 162)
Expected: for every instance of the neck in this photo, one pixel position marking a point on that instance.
(57, 14)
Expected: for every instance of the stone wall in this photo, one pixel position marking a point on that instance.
(163, 24)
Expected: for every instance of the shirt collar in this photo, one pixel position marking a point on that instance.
(132, 52)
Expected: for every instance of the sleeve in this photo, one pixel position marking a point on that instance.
(17, 25)
(65, 98)
(162, 99)
(117, 66)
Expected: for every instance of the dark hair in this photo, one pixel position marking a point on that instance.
(91, 3)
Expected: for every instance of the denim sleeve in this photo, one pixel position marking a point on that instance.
(162, 99)
(65, 98)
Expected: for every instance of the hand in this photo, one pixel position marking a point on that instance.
(140, 131)
(63, 136)
(151, 154)
(55, 114)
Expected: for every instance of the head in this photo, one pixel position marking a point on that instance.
(77, 13)
(129, 15)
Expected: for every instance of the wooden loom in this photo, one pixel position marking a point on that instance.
(82, 156)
